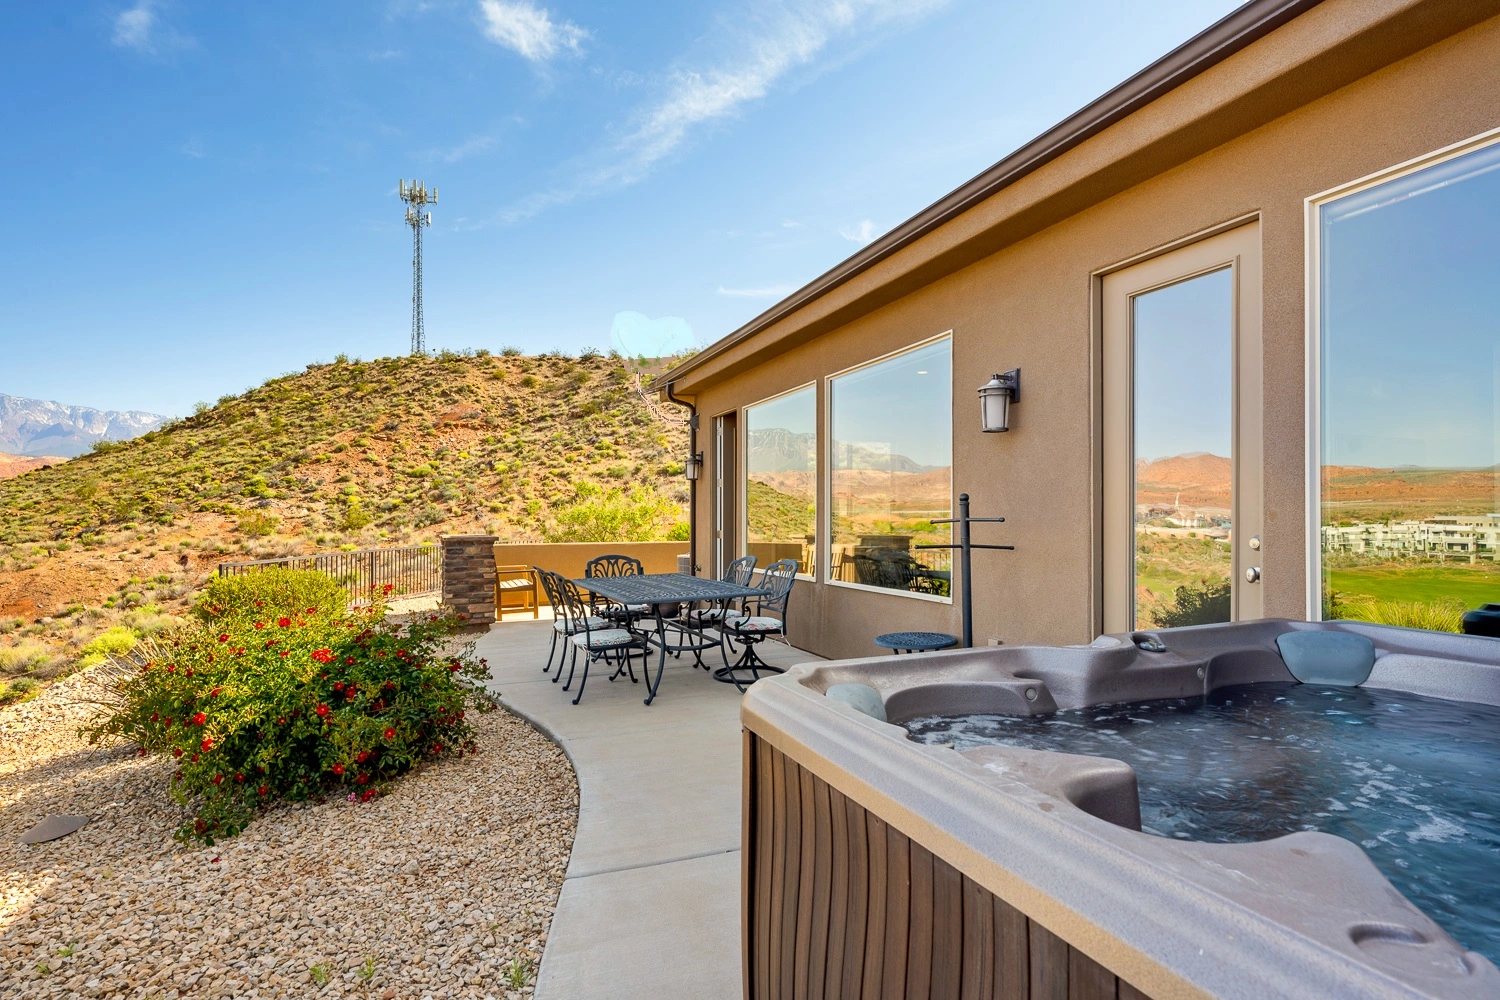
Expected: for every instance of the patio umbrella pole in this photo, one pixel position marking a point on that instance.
(965, 547)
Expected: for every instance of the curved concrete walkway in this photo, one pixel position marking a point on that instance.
(650, 903)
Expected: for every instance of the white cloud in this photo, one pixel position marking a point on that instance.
(862, 233)
(768, 292)
(467, 148)
(141, 28)
(529, 30)
(194, 148)
(780, 39)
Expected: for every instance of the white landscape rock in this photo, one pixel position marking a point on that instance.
(442, 884)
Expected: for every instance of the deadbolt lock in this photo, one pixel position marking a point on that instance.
(1255, 542)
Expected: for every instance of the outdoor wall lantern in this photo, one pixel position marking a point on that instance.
(694, 465)
(995, 397)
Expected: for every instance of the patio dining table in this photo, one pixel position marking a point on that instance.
(658, 591)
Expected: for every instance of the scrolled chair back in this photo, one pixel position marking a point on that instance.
(740, 571)
(777, 581)
(613, 565)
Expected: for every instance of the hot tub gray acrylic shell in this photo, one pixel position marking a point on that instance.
(874, 863)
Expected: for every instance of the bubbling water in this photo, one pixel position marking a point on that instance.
(1414, 781)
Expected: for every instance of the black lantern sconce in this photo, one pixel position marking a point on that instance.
(995, 398)
(693, 468)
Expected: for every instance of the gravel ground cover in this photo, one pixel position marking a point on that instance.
(444, 887)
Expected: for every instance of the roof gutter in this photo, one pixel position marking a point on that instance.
(1209, 47)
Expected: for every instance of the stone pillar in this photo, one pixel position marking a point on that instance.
(469, 576)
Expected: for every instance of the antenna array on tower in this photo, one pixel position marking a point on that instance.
(416, 196)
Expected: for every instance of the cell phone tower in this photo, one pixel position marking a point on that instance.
(417, 197)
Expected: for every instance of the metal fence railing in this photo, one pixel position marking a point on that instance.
(412, 570)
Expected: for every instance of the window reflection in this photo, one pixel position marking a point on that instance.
(780, 483)
(1410, 359)
(1183, 335)
(891, 471)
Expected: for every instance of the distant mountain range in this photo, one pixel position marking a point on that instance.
(39, 428)
(776, 449)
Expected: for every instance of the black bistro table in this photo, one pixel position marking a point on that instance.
(915, 642)
(658, 590)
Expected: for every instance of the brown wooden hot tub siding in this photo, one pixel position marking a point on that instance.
(840, 904)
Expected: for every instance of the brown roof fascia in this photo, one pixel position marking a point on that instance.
(1209, 47)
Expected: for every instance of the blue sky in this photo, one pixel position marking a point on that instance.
(203, 195)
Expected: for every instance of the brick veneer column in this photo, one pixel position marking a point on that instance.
(469, 576)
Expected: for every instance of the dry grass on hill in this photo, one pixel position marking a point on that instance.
(341, 456)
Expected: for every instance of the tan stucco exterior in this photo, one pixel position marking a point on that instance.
(1347, 89)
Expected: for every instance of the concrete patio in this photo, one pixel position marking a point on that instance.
(650, 904)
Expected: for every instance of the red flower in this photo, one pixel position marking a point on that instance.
(358, 781)
(362, 756)
(390, 733)
(338, 769)
(141, 752)
(189, 672)
(154, 717)
(349, 691)
(262, 789)
(285, 653)
(323, 655)
(338, 685)
(260, 604)
(167, 721)
(171, 668)
(367, 795)
(199, 719)
(214, 693)
(195, 758)
(218, 779)
(177, 751)
(206, 745)
(224, 637)
(323, 710)
(283, 622)
(281, 721)
(312, 611)
(388, 588)
(260, 624)
(348, 659)
(239, 777)
(437, 748)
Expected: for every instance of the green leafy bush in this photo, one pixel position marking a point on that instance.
(110, 642)
(1202, 605)
(259, 702)
(615, 515)
(268, 594)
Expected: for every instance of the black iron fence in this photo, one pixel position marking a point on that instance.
(411, 571)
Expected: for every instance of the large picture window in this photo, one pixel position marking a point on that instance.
(1408, 314)
(781, 457)
(891, 471)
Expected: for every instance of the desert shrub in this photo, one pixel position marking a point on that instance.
(1437, 616)
(258, 525)
(1201, 605)
(110, 642)
(28, 658)
(257, 707)
(269, 593)
(615, 515)
(16, 690)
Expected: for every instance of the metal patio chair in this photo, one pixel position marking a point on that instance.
(759, 623)
(699, 620)
(610, 643)
(616, 565)
(564, 625)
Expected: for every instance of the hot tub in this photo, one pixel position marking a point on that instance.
(879, 866)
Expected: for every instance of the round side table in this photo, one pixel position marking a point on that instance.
(915, 642)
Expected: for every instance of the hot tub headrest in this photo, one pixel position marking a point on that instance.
(1320, 657)
(860, 697)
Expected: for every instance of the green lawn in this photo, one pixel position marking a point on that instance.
(1473, 585)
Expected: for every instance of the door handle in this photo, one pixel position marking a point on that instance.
(1252, 575)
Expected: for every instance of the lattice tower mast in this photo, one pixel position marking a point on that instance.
(417, 197)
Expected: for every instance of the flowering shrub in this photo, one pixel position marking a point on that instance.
(257, 702)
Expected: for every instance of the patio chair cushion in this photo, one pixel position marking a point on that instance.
(594, 622)
(755, 624)
(607, 639)
(634, 609)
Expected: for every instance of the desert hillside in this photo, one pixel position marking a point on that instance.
(340, 456)
(14, 465)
